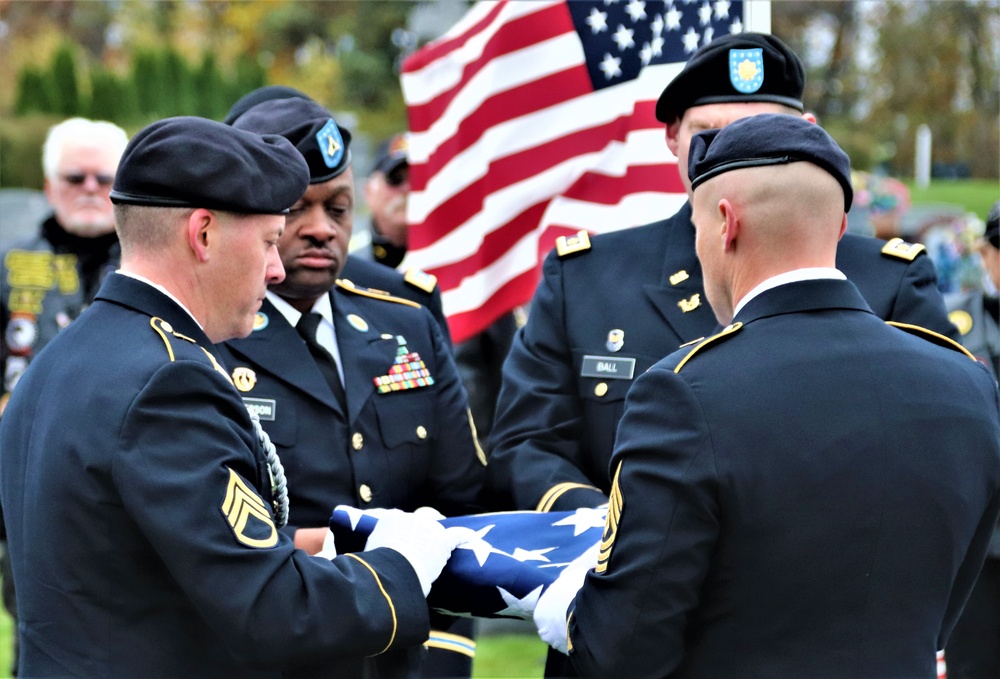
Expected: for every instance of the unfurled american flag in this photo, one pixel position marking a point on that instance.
(534, 119)
(501, 572)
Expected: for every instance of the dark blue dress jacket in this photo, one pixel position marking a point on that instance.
(809, 494)
(137, 504)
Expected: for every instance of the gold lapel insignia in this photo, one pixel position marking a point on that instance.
(247, 514)
(691, 303)
(244, 378)
(407, 371)
(357, 322)
(616, 339)
(260, 321)
(679, 277)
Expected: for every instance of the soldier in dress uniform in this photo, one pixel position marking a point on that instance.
(143, 501)
(390, 425)
(809, 492)
(607, 308)
(413, 284)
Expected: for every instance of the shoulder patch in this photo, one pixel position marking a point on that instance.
(727, 331)
(349, 286)
(421, 280)
(899, 248)
(931, 336)
(571, 245)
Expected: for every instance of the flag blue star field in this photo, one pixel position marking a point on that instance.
(501, 572)
(534, 119)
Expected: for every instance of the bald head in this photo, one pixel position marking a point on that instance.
(758, 222)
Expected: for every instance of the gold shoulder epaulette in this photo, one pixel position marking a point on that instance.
(729, 330)
(694, 341)
(349, 286)
(421, 280)
(163, 329)
(570, 245)
(899, 248)
(930, 335)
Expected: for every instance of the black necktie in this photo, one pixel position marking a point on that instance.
(326, 363)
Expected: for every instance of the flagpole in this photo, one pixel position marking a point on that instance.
(757, 15)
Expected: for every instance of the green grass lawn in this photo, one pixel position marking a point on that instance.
(975, 195)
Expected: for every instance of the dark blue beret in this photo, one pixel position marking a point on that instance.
(310, 127)
(767, 139)
(196, 162)
(260, 95)
(738, 67)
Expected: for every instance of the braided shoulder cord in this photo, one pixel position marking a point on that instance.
(279, 486)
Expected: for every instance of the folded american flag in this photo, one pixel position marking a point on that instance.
(502, 572)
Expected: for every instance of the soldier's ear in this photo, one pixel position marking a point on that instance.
(201, 227)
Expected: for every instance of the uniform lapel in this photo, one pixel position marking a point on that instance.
(364, 353)
(681, 285)
(278, 350)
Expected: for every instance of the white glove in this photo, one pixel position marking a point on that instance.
(329, 549)
(422, 541)
(550, 612)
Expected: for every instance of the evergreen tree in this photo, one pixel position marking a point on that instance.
(32, 95)
(63, 85)
(210, 90)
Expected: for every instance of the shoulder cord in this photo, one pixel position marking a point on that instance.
(279, 486)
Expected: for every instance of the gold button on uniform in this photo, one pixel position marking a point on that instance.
(365, 492)
(601, 389)
(357, 441)
(421, 432)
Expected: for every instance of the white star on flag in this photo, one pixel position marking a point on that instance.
(531, 554)
(479, 546)
(519, 608)
(598, 21)
(584, 518)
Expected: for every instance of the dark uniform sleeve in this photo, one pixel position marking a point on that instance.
(536, 456)
(456, 475)
(656, 555)
(188, 476)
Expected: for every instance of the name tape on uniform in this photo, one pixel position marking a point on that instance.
(610, 367)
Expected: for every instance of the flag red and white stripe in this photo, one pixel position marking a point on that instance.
(514, 142)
